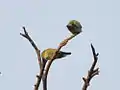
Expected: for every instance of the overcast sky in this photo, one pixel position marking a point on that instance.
(46, 21)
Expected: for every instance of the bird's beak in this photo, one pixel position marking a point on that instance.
(69, 25)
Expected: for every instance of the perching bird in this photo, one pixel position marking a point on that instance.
(74, 27)
(48, 54)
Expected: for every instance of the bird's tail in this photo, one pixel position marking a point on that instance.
(63, 54)
(66, 53)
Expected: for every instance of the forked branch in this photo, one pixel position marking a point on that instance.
(63, 43)
(43, 75)
(41, 65)
(93, 71)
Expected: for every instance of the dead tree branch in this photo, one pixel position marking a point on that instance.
(63, 43)
(92, 72)
(41, 64)
(26, 35)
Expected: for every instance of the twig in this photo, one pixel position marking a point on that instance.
(26, 35)
(39, 77)
(63, 43)
(92, 72)
(41, 64)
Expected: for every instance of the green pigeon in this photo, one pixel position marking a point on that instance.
(74, 27)
(48, 54)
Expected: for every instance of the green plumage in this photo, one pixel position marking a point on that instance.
(74, 27)
(48, 54)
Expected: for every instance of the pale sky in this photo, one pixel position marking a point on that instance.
(45, 21)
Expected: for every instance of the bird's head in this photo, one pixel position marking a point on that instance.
(74, 25)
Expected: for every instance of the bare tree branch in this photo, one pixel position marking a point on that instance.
(63, 43)
(92, 72)
(39, 77)
(41, 63)
(26, 35)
